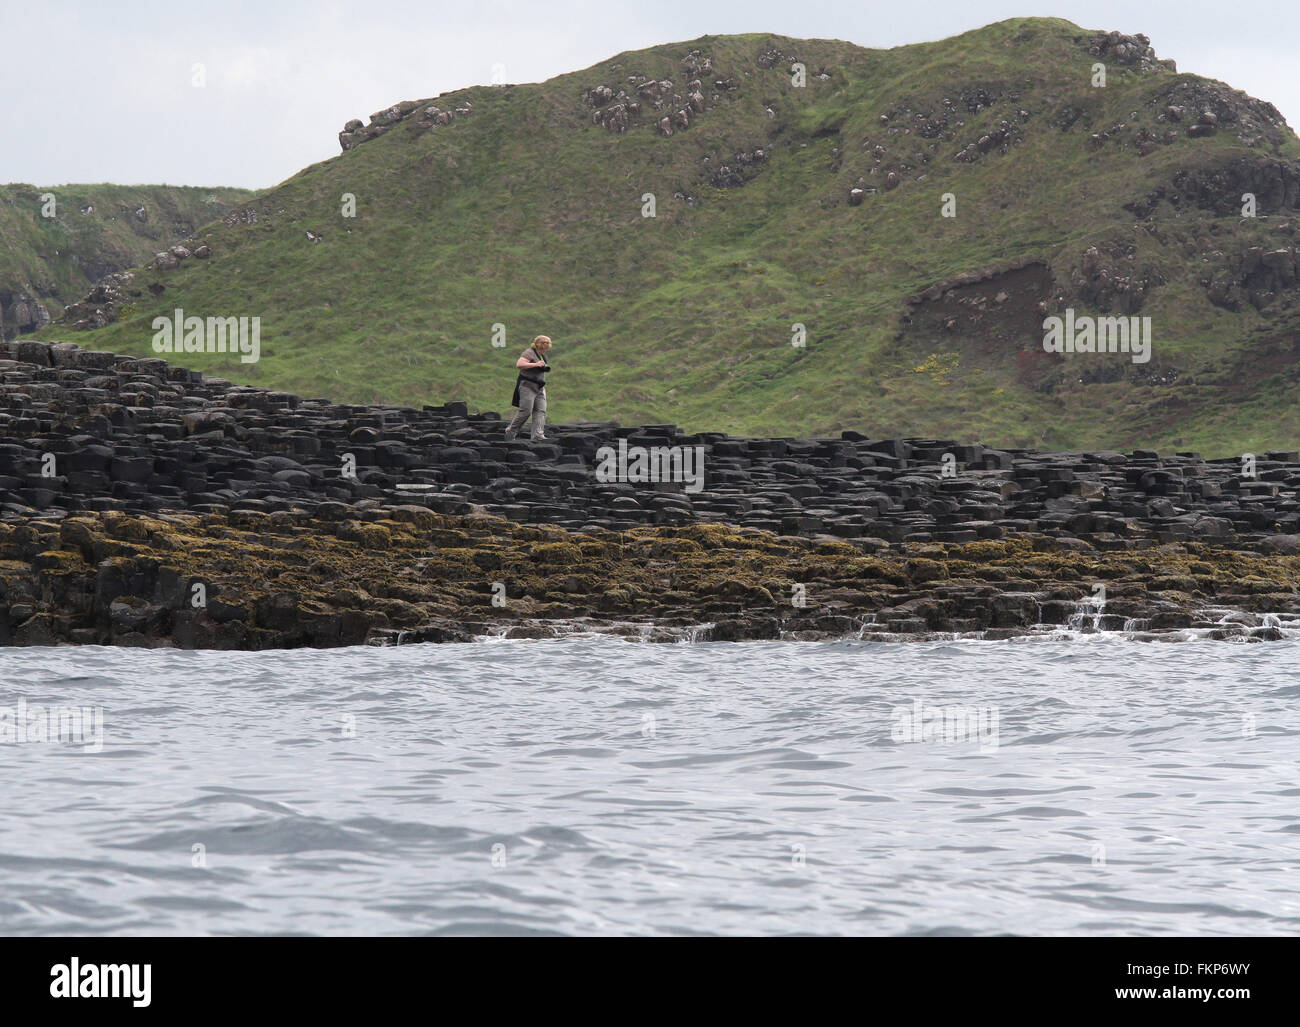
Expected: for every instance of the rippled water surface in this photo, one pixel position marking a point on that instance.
(601, 786)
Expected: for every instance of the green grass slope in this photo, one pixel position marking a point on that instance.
(51, 261)
(525, 210)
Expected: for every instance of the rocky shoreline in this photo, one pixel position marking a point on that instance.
(142, 503)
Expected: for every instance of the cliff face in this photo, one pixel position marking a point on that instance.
(21, 310)
(56, 242)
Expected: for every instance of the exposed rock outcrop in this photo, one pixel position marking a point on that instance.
(125, 482)
(1257, 276)
(1130, 51)
(1219, 188)
(1112, 282)
(139, 434)
(663, 103)
(740, 169)
(23, 311)
(392, 573)
(103, 303)
(427, 115)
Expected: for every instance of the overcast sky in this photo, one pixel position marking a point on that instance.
(100, 90)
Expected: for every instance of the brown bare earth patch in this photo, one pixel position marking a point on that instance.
(992, 321)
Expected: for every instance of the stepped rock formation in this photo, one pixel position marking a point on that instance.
(138, 434)
(126, 480)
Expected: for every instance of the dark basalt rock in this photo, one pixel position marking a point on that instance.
(139, 435)
(392, 574)
(105, 436)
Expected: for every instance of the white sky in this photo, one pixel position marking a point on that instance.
(100, 90)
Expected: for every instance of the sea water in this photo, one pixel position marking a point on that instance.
(1085, 785)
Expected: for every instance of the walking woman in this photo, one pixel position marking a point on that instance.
(530, 390)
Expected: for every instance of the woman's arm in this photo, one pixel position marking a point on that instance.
(524, 362)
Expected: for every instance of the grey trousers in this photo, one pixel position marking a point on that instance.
(532, 402)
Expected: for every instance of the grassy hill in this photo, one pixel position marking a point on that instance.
(522, 205)
(48, 262)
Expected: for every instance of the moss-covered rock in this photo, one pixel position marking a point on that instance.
(343, 581)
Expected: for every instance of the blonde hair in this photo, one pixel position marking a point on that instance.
(542, 343)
